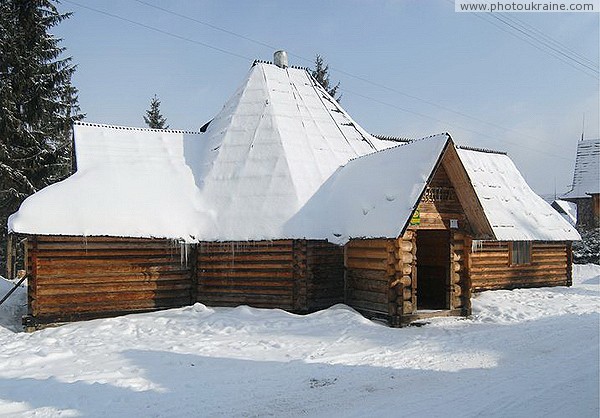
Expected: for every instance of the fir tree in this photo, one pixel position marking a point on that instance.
(38, 104)
(153, 117)
(321, 74)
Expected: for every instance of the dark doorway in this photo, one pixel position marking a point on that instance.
(433, 269)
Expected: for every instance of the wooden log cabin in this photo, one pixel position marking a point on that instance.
(75, 278)
(282, 201)
(463, 222)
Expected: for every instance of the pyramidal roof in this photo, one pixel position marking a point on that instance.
(260, 159)
(275, 142)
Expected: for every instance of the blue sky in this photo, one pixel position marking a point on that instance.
(416, 68)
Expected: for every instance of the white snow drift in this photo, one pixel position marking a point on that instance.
(523, 353)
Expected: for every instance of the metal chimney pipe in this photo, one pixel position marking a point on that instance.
(280, 59)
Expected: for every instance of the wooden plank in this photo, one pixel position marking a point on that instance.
(379, 286)
(123, 307)
(371, 306)
(101, 279)
(78, 238)
(92, 262)
(270, 257)
(112, 287)
(279, 274)
(516, 270)
(245, 281)
(109, 270)
(369, 243)
(366, 264)
(368, 253)
(204, 290)
(110, 254)
(363, 295)
(252, 299)
(112, 296)
(511, 284)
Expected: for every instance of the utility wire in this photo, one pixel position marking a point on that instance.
(520, 145)
(341, 71)
(544, 43)
(356, 77)
(539, 48)
(155, 29)
(548, 38)
(540, 41)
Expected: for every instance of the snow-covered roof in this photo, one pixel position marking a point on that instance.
(371, 196)
(586, 177)
(275, 144)
(129, 182)
(512, 209)
(567, 209)
(261, 158)
(272, 146)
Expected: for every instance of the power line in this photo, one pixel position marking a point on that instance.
(551, 40)
(530, 35)
(356, 77)
(544, 43)
(341, 71)
(155, 29)
(452, 124)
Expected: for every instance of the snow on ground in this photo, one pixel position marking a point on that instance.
(523, 353)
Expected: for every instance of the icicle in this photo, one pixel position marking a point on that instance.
(476, 245)
(183, 253)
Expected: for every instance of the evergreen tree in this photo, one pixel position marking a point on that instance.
(321, 74)
(153, 117)
(38, 104)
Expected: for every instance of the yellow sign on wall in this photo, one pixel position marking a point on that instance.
(416, 218)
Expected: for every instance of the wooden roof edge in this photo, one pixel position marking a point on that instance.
(133, 128)
(393, 138)
(296, 67)
(448, 144)
(485, 150)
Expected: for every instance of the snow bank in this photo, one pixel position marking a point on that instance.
(538, 358)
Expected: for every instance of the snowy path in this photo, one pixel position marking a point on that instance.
(523, 353)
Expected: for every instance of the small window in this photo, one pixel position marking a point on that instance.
(520, 253)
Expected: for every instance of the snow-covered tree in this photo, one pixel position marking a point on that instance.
(38, 104)
(321, 74)
(154, 119)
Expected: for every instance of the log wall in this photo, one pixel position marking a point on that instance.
(265, 274)
(381, 278)
(490, 266)
(460, 292)
(296, 275)
(370, 271)
(325, 275)
(74, 278)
